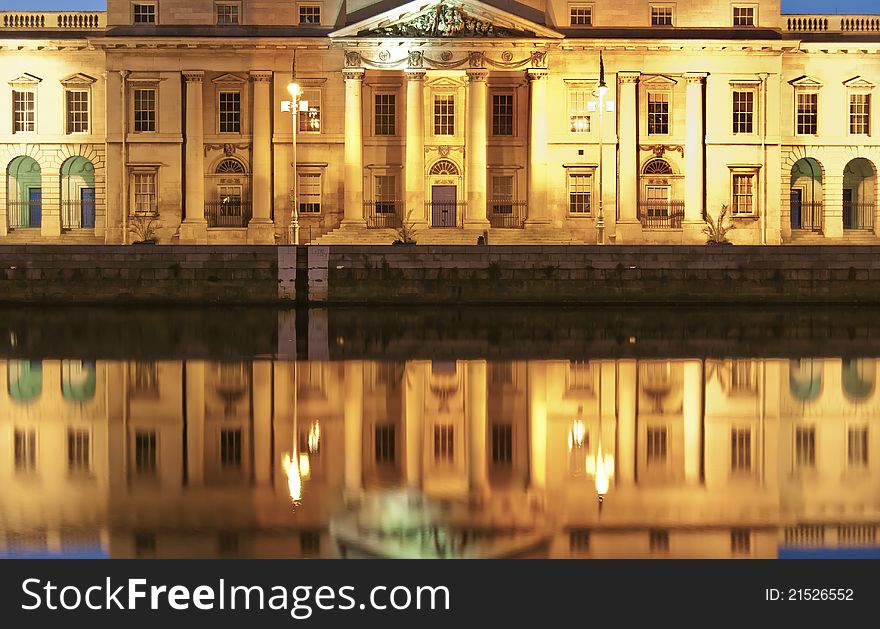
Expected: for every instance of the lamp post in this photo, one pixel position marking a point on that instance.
(599, 93)
(293, 106)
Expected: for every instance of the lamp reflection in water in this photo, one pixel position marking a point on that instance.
(298, 467)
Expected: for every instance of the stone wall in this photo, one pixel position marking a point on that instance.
(438, 274)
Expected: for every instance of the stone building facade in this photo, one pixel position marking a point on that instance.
(535, 121)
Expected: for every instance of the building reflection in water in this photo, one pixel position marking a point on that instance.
(625, 458)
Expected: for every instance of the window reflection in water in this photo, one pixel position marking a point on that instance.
(691, 458)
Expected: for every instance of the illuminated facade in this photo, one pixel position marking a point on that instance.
(163, 119)
(691, 458)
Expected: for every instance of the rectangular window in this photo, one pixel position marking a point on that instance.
(25, 450)
(144, 13)
(578, 106)
(857, 447)
(24, 110)
(230, 448)
(740, 541)
(386, 194)
(501, 374)
(144, 191)
(230, 112)
(502, 444)
(144, 110)
(309, 14)
(661, 16)
(78, 453)
(860, 114)
(579, 540)
(386, 444)
(658, 113)
(580, 191)
(386, 114)
(309, 193)
(444, 114)
(227, 14)
(743, 111)
(744, 16)
(805, 447)
(741, 450)
(580, 375)
(310, 111)
(580, 15)
(77, 106)
(807, 113)
(657, 438)
(502, 194)
(145, 452)
(444, 445)
(502, 114)
(743, 195)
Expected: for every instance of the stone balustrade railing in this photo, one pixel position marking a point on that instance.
(832, 23)
(53, 20)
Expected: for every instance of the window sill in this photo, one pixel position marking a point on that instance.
(579, 215)
(744, 217)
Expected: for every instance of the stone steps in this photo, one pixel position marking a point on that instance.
(32, 236)
(853, 237)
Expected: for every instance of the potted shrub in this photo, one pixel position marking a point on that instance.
(406, 232)
(716, 231)
(143, 230)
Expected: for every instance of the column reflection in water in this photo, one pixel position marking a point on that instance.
(604, 458)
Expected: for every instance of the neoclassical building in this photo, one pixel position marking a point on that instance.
(534, 121)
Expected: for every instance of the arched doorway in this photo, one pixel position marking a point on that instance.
(660, 206)
(806, 195)
(859, 194)
(77, 193)
(230, 191)
(444, 179)
(24, 193)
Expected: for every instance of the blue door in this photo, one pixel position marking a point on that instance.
(87, 207)
(796, 207)
(35, 207)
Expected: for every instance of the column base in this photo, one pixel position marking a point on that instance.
(194, 232)
(50, 226)
(628, 232)
(113, 235)
(261, 231)
(692, 231)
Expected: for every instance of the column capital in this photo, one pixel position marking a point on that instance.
(477, 74)
(695, 77)
(353, 74)
(414, 74)
(628, 77)
(193, 76)
(261, 76)
(536, 74)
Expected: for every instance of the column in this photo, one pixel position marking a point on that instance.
(415, 147)
(477, 151)
(261, 230)
(832, 202)
(413, 421)
(477, 426)
(194, 227)
(537, 379)
(353, 418)
(629, 229)
(195, 421)
(262, 410)
(354, 150)
(692, 411)
(538, 211)
(693, 157)
(626, 421)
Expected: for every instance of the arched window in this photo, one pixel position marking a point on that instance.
(444, 167)
(657, 167)
(78, 380)
(805, 379)
(857, 376)
(24, 379)
(230, 167)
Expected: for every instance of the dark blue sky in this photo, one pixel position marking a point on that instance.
(788, 6)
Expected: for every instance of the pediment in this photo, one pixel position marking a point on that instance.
(660, 81)
(78, 79)
(446, 19)
(25, 79)
(806, 82)
(445, 82)
(858, 82)
(228, 79)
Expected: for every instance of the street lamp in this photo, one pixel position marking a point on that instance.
(599, 93)
(294, 106)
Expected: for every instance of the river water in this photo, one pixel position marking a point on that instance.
(516, 432)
